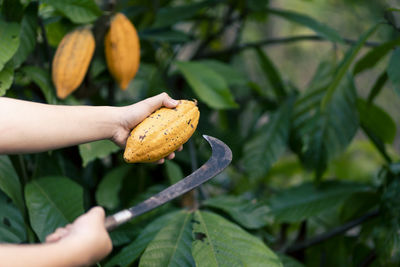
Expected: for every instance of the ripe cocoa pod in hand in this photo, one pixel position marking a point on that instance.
(71, 60)
(122, 50)
(161, 133)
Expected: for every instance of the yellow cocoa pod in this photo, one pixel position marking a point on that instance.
(122, 50)
(161, 133)
(71, 60)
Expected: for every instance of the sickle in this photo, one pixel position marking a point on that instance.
(220, 159)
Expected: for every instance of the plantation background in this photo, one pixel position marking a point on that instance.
(306, 94)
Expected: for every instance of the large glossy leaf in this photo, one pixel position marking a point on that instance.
(372, 57)
(172, 246)
(96, 150)
(78, 11)
(52, 202)
(308, 200)
(268, 143)
(9, 41)
(42, 79)
(219, 242)
(325, 133)
(249, 213)
(127, 255)
(231, 75)
(208, 85)
(6, 79)
(393, 70)
(29, 26)
(322, 29)
(12, 225)
(9, 182)
(377, 121)
(345, 65)
(110, 186)
(271, 73)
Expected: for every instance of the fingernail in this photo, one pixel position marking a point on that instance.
(173, 102)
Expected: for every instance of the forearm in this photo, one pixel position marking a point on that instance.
(41, 255)
(31, 127)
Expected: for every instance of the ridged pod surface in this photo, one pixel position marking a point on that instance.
(71, 60)
(122, 50)
(163, 132)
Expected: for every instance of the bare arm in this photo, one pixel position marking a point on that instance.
(27, 127)
(82, 243)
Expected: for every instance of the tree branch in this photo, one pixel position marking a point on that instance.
(327, 235)
(228, 19)
(276, 41)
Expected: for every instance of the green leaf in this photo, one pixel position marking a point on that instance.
(78, 11)
(208, 85)
(9, 182)
(173, 171)
(387, 243)
(320, 28)
(128, 254)
(9, 41)
(12, 225)
(358, 204)
(374, 55)
(323, 75)
(42, 79)
(56, 30)
(345, 65)
(289, 261)
(324, 134)
(249, 213)
(377, 87)
(6, 79)
(165, 35)
(53, 202)
(393, 70)
(172, 244)
(231, 75)
(268, 143)
(377, 121)
(168, 16)
(29, 26)
(107, 193)
(308, 200)
(272, 74)
(98, 149)
(219, 242)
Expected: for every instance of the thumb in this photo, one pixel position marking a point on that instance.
(97, 213)
(153, 103)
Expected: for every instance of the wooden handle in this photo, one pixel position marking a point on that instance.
(110, 223)
(117, 219)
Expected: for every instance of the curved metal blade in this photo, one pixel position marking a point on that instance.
(219, 160)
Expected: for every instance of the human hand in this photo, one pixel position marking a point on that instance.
(130, 116)
(86, 238)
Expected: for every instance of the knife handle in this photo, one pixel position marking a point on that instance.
(115, 220)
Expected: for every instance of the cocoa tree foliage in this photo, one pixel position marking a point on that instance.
(315, 177)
